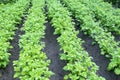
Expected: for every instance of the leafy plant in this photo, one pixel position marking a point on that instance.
(33, 63)
(105, 40)
(104, 13)
(79, 64)
(8, 20)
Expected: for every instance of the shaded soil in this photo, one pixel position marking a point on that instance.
(117, 37)
(52, 50)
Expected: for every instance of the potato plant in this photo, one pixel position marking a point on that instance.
(96, 18)
(79, 64)
(105, 14)
(8, 20)
(106, 42)
(33, 63)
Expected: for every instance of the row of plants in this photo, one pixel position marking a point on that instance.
(105, 40)
(33, 63)
(8, 20)
(104, 13)
(79, 63)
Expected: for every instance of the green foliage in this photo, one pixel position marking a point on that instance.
(8, 20)
(7, 1)
(79, 63)
(105, 40)
(33, 63)
(105, 14)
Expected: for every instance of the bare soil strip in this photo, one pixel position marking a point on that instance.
(52, 50)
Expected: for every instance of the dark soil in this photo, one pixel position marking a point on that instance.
(52, 50)
(117, 37)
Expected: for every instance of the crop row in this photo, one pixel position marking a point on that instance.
(8, 20)
(33, 63)
(105, 14)
(79, 63)
(105, 40)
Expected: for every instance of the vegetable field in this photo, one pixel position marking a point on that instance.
(59, 40)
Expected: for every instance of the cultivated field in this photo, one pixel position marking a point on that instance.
(59, 40)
